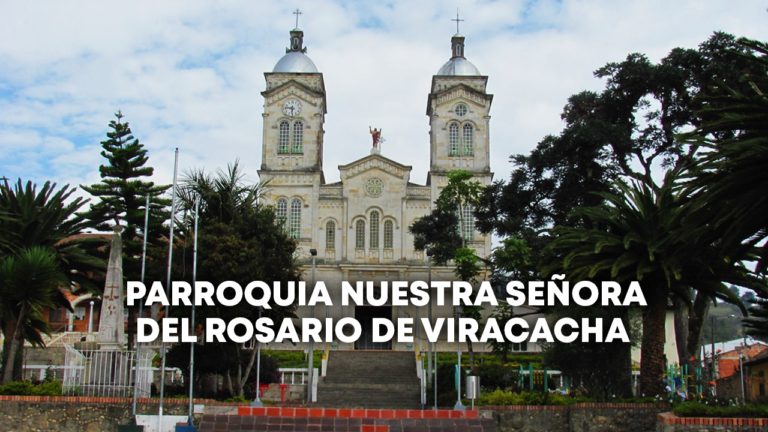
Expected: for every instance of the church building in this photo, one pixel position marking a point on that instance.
(358, 226)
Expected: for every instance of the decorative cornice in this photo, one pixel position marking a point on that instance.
(374, 161)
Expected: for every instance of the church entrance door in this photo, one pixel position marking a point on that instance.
(365, 315)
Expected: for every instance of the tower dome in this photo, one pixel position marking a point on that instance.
(296, 59)
(458, 64)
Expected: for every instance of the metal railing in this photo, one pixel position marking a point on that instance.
(293, 376)
(106, 373)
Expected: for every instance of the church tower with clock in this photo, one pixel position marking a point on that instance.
(358, 226)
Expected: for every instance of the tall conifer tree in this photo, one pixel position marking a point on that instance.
(122, 193)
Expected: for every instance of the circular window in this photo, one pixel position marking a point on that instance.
(374, 187)
(461, 110)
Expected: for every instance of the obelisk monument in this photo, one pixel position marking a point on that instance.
(111, 322)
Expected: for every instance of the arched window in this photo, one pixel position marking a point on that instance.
(330, 235)
(282, 139)
(453, 139)
(468, 223)
(282, 213)
(360, 234)
(388, 234)
(374, 229)
(298, 137)
(295, 219)
(469, 145)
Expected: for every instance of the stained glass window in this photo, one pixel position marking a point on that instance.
(295, 219)
(282, 140)
(388, 234)
(282, 212)
(298, 137)
(360, 235)
(469, 145)
(330, 235)
(453, 139)
(374, 229)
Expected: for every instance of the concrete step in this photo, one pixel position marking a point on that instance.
(370, 379)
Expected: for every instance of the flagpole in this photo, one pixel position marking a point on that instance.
(167, 288)
(141, 308)
(192, 321)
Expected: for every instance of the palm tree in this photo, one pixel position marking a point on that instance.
(28, 284)
(239, 239)
(45, 218)
(730, 184)
(637, 236)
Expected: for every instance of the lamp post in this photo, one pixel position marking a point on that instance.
(257, 402)
(310, 380)
(90, 318)
(429, 344)
(459, 405)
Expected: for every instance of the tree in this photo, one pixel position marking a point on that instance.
(122, 193)
(239, 240)
(510, 261)
(28, 283)
(445, 230)
(628, 130)
(597, 369)
(628, 239)
(44, 218)
(731, 179)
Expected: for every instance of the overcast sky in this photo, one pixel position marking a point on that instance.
(188, 74)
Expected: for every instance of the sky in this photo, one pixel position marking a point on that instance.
(189, 74)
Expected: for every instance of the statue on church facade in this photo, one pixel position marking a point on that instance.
(376, 135)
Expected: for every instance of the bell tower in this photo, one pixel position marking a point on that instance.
(458, 107)
(292, 144)
(294, 112)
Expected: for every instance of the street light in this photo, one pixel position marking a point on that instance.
(90, 319)
(257, 402)
(311, 374)
(459, 405)
(430, 346)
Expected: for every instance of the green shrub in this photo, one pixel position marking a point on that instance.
(26, 388)
(293, 358)
(515, 360)
(18, 388)
(501, 397)
(496, 376)
(696, 409)
(48, 388)
(236, 399)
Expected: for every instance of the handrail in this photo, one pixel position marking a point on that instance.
(327, 349)
(324, 361)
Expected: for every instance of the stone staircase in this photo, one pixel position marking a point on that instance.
(370, 379)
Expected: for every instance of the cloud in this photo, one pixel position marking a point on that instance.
(188, 74)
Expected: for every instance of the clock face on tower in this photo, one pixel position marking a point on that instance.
(292, 107)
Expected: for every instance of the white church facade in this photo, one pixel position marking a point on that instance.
(358, 226)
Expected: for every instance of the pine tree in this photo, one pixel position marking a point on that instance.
(122, 193)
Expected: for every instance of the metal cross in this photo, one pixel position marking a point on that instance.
(297, 12)
(457, 20)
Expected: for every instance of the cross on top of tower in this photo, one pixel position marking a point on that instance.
(297, 12)
(457, 21)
